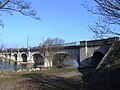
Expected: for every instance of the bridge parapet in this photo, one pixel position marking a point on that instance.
(100, 42)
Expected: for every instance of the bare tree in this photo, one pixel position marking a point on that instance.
(49, 47)
(21, 6)
(62, 60)
(53, 42)
(110, 12)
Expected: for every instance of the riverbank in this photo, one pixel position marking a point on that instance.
(56, 79)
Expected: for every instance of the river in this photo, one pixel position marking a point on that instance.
(10, 65)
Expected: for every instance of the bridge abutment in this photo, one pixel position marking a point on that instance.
(92, 52)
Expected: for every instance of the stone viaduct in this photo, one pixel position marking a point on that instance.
(88, 53)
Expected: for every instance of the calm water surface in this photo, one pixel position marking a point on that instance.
(10, 65)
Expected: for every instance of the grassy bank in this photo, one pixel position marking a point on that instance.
(11, 73)
(40, 80)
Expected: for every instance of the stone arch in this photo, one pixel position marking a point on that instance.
(24, 57)
(96, 58)
(38, 59)
(63, 60)
(15, 56)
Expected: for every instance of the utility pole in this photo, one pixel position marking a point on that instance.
(28, 42)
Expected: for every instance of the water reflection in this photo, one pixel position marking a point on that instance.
(10, 65)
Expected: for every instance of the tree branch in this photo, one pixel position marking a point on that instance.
(3, 4)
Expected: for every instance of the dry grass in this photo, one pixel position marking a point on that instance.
(41, 80)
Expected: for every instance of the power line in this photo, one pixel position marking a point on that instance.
(62, 29)
(56, 31)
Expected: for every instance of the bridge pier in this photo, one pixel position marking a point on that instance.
(48, 63)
